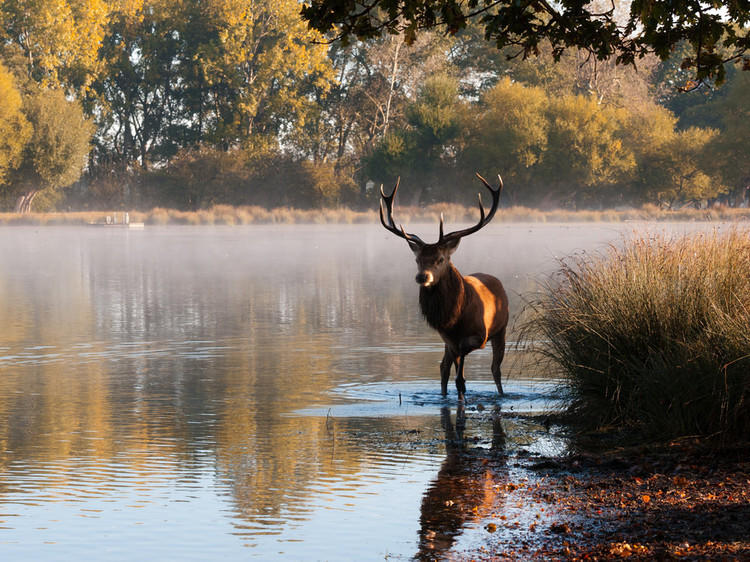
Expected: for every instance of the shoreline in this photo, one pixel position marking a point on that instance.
(224, 215)
(684, 499)
(679, 502)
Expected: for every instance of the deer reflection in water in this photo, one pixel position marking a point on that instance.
(465, 489)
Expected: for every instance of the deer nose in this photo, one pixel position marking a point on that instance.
(424, 278)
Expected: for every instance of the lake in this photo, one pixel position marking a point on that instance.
(255, 392)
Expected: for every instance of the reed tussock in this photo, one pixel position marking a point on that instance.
(654, 335)
(52, 219)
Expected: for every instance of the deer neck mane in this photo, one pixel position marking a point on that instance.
(442, 303)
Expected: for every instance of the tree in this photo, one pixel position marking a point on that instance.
(509, 135)
(646, 129)
(216, 73)
(585, 149)
(425, 150)
(574, 71)
(685, 162)
(139, 91)
(374, 83)
(676, 169)
(56, 153)
(731, 149)
(14, 128)
(652, 26)
(257, 63)
(59, 39)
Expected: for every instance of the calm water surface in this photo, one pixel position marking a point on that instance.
(254, 392)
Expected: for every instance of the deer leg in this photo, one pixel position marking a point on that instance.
(445, 370)
(498, 352)
(460, 382)
(498, 433)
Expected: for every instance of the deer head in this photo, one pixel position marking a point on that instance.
(433, 260)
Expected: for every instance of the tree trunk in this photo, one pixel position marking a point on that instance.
(23, 203)
(398, 41)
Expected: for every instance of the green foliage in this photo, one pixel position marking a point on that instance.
(552, 149)
(14, 128)
(59, 144)
(585, 142)
(45, 142)
(214, 73)
(657, 27)
(682, 163)
(674, 167)
(137, 92)
(435, 114)
(653, 335)
(425, 151)
(730, 150)
(509, 135)
(393, 157)
(694, 106)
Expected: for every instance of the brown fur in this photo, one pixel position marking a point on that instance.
(466, 311)
(432, 301)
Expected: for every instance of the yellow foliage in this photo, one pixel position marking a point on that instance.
(14, 128)
(60, 37)
(264, 53)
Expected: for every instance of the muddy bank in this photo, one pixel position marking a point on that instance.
(675, 502)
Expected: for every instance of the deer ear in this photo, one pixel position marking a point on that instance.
(415, 247)
(452, 245)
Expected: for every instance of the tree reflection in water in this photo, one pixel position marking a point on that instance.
(466, 488)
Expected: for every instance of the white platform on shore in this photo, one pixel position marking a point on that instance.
(119, 220)
(133, 225)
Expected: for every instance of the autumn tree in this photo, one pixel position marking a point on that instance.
(14, 128)
(508, 135)
(56, 152)
(216, 73)
(59, 39)
(673, 166)
(257, 61)
(678, 172)
(138, 93)
(585, 153)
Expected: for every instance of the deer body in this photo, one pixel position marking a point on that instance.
(466, 311)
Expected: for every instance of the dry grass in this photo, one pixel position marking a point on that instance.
(654, 335)
(229, 215)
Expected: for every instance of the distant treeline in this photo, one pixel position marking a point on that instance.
(189, 105)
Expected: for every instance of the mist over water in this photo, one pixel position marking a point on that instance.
(269, 392)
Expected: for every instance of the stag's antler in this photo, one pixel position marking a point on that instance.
(391, 226)
(483, 219)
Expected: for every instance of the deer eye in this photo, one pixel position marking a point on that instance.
(440, 260)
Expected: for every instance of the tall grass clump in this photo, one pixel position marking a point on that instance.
(654, 335)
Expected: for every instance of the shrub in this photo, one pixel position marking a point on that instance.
(654, 334)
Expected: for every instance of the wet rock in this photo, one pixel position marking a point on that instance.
(560, 528)
(547, 464)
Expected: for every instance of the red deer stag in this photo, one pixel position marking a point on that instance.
(465, 311)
